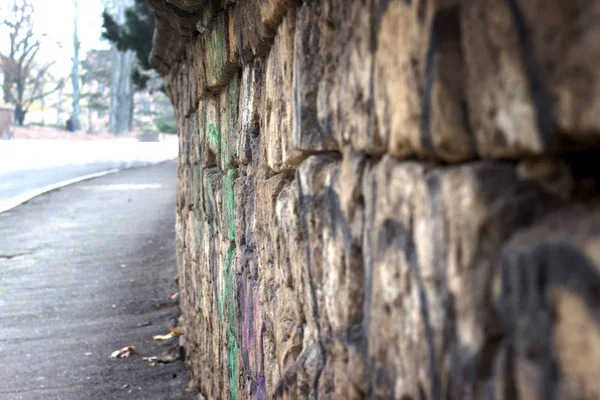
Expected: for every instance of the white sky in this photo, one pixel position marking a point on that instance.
(55, 18)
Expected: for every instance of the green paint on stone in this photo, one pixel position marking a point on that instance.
(229, 286)
(229, 206)
(225, 155)
(232, 363)
(226, 287)
(229, 137)
(232, 356)
(214, 138)
(233, 118)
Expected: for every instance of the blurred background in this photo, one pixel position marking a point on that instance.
(78, 97)
(80, 67)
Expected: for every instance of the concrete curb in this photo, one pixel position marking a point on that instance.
(12, 203)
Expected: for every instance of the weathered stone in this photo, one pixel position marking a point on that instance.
(549, 298)
(228, 105)
(530, 75)
(310, 132)
(219, 61)
(206, 155)
(277, 111)
(167, 41)
(315, 260)
(419, 80)
(189, 5)
(193, 137)
(564, 37)
(251, 93)
(255, 25)
(354, 80)
(246, 17)
(212, 127)
(198, 64)
(263, 221)
(184, 142)
(431, 263)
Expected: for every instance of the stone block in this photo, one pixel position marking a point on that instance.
(205, 155)
(219, 61)
(321, 230)
(228, 214)
(312, 41)
(183, 130)
(354, 78)
(531, 75)
(549, 303)
(196, 48)
(193, 139)
(228, 105)
(251, 94)
(272, 13)
(246, 20)
(432, 248)
(212, 127)
(255, 25)
(419, 80)
(266, 251)
(277, 114)
(296, 380)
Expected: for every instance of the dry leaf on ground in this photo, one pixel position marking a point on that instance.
(172, 333)
(123, 353)
(164, 337)
(175, 332)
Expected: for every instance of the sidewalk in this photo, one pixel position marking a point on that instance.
(84, 271)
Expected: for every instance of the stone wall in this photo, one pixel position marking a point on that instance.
(387, 198)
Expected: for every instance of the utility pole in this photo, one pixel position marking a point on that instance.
(75, 72)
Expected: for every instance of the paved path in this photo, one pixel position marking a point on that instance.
(80, 269)
(28, 166)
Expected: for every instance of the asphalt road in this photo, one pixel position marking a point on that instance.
(20, 185)
(84, 271)
(28, 167)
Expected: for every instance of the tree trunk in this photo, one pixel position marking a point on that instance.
(121, 90)
(125, 92)
(114, 88)
(20, 113)
(75, 74)
(59, 107)
(43, 104)
(90, 127)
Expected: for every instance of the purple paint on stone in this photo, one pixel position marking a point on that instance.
(261, 390)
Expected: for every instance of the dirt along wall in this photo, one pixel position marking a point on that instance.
(387, 198)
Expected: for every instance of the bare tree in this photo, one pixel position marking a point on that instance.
(24, 81)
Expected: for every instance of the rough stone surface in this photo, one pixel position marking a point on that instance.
(389, 199)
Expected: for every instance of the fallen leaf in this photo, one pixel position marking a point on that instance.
(145, 324)
(126, 386)
(175, 295)
(163, 359)
(164, 337)
(123, 353)
(167, 358)
(175, 331)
